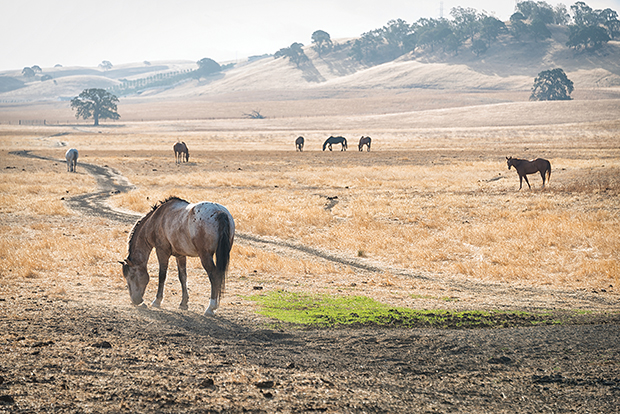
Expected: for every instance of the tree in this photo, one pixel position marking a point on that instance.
(28, 72)
(466, 22)
(295, 53)
(552, 85)
(609, 19)
(206, 67)
(322, 42)
(491, 28)
(587, 37)
(539, 30)
(96, 103)
(583, 15)
(518, 26)
(537, 10)
(106, 65)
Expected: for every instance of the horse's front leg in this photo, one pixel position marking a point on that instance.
(182, 269)
(162, 258)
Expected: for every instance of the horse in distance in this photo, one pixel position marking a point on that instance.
(181, 153)
(335, 140)
(365, 141)
(175, 227)
(299, 144)
(71, 156)
(525, 167)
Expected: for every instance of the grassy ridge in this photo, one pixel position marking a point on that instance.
(321, 310)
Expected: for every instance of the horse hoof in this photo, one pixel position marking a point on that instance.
(183, 307)
(156, 305)
(209, 312)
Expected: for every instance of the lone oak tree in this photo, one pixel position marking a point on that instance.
(552, 85)
(96, 103)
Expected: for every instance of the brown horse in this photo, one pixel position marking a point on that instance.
(299, 144)
(177, 228)
(525, 167)
(181, 153)
(365, 141)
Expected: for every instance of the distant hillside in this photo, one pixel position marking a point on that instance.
(508, 64)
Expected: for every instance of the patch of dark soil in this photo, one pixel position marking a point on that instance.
(176, 361)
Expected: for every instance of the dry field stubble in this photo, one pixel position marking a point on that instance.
(436, 202)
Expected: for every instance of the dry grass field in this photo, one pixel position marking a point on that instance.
(429, 218)
(433, 201)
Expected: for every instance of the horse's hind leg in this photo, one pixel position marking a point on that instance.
(216, 282)
(528, 183)
(182, 269)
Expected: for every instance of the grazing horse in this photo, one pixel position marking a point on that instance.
(335, 140)
(299, 144)
(177, 228)
(181, 153)
(71, 156)
(525, 167)
(365, 141)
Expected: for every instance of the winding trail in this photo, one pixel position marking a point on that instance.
(110, 182)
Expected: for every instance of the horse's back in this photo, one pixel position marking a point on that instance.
(190, 228)
(71, 154)
(205, 220)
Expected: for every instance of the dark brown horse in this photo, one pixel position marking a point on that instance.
(365, 141)
(181, 153)
(525, 167)
(335, 140)
(299, 144)
(177, 228)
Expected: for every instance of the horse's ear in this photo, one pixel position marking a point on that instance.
(126, 262)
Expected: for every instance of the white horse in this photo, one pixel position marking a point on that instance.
(72, 157)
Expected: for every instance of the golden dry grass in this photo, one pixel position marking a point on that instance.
(436, 201)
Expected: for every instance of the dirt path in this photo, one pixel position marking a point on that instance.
(110, 182)
(69, 355)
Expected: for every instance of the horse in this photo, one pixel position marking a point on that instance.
(335, 140)
(175, 227)
(525, 167)
(299, 144)
(71, 156)
(365, 141)
(181, 153)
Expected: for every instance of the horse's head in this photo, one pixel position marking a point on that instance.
(137, 278)
(509, 162)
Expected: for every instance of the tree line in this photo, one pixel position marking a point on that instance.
(588, 29)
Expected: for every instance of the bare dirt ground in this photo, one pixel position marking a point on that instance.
(88, 350)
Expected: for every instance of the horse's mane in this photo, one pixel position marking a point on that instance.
(139, 223)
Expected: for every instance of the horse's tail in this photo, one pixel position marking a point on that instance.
(548, 172)
(222, 253)
(345, 142)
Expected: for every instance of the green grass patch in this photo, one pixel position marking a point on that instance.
(322, 310)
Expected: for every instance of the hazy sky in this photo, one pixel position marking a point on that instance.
(86, 32)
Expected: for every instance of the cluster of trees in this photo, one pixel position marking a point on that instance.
(30, 72)
(469, 28)
(592, 28)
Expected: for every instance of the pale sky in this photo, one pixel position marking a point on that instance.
(86, 32)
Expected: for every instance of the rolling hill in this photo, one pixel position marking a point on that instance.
(416, 81)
